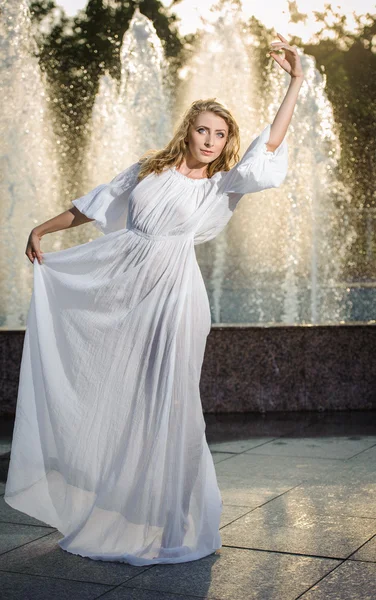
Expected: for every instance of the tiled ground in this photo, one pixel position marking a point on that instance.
(299, 521)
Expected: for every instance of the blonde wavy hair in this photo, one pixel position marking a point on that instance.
(155, 161)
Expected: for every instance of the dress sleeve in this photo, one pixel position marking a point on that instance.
(258, 169)
(107, 203)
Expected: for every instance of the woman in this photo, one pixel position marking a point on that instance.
(109, 442)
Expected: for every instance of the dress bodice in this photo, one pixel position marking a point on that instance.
(173, 204)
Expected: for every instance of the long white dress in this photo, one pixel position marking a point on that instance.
(109, 441)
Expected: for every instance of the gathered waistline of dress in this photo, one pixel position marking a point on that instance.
(166, 236)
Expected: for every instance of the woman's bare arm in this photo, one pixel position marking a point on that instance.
(65, 220)
(283, 117)
(292, 65)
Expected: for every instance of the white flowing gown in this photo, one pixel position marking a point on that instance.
(109, 442)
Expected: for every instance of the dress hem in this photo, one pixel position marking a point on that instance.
(139, 562)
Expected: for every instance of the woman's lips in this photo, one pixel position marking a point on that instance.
(206, 152)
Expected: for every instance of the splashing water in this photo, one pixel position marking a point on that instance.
(29, 162)
(312, 240)
(134, 116)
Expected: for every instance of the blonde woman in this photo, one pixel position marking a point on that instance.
(109, 442)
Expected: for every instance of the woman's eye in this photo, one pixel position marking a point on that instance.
(202, 129)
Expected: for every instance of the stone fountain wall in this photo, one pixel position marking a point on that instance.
(260, 369)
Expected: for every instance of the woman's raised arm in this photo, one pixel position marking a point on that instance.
(292, 65)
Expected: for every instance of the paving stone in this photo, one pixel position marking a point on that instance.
(318, 446)
(283, 526)
(364, 462)
(237, 446)
(366, 552)
(231, 512)
(236, 574)
(251, 498)
(341, 495)
(252, 480)
(122, 593)
(29, 587)
(350, 581)
(45, 557)
(12, 535)
(292, 470)
(219, 456)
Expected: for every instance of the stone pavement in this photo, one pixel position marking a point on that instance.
(299, 521)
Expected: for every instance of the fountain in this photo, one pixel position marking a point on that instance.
(30, 177)
(116, 138)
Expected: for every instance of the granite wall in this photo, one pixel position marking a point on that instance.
(261, 369)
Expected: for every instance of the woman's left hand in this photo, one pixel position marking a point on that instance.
(291, 61)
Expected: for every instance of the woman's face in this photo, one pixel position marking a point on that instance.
(208, 132)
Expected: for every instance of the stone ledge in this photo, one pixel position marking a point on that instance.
(261, 369)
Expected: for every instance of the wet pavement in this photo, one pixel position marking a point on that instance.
(298, 521)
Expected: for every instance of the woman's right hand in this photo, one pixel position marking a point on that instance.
(33, 247)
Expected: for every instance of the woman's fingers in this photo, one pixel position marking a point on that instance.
(34, 252)
(282, 62)
(282, 38)
(277, 57)
(29, 252)
(38, 255)
(36, 248)
(283, 46)
(290, 61)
